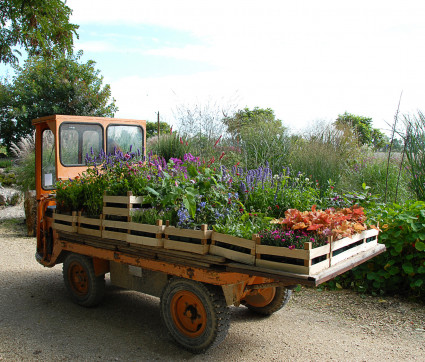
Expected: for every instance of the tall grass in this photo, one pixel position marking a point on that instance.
(373, 169)
(324, 153)
(24, 169)
(415, 153)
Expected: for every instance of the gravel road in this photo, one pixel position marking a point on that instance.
(38, 322)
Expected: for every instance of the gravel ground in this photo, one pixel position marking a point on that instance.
(39, 323)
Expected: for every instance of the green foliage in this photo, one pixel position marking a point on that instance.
(44, 87)
(152, 129)
(259, 137)
(324, 154)
(371, 168)
(5, 163)
(415, 153)
(362, 126)
(246, 119)
(171, 145)
(25, 172)
(40, 27)
(401, 269)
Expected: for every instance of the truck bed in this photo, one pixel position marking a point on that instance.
(145, 255)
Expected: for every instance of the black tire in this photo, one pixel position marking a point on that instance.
(195, 314)
(279, 300)
(81, 282)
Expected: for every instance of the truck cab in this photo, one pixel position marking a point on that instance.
(62, 145)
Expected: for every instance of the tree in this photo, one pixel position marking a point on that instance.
(260, 136)
(246, 120)
(58, 86)
(152, 128)
(41, 27)
(362, 126)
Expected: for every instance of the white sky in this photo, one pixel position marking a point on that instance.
(307, 60)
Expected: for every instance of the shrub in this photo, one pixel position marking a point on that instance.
(401, 269)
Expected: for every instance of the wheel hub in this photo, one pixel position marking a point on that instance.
(188, 314)
(78, 278)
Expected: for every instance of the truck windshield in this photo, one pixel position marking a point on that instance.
(48, 167)
(121, 137)
(77, 140)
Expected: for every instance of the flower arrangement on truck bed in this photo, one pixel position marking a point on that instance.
(189, 193)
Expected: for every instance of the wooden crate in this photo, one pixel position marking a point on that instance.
(193, 241)
(117, 215)
(310, 261)
(121, 205)
(65, 222)
(221, 244)
(89, 226)
(153, 237)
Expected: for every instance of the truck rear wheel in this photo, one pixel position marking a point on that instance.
(196, 315)
(84, 287)
(267, 301)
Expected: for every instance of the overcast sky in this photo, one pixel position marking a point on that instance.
(307, 60)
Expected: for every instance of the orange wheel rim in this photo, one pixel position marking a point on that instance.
(78, 279)
(260, 297)
(188, 314)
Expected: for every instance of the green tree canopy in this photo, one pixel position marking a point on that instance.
(57, 86)
(362, 126)
(152, 128)
(41, 27)
(245, 120)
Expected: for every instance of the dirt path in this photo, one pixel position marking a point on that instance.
(39, 322)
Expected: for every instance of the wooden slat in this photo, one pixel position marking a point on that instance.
(115, 224)
(189, 247)
(126, 200)
(144, 240)
(281, 251)
(63, 217)
(116, 199)
(320, 251)
(338, 244)
(89, 221)
(232, 254)
(299, 269)
(233, 240)
(115, 211)
(318, 267)
(153, 229)
(353, 251)
(62, 227)
(114, 235)
(188, 233)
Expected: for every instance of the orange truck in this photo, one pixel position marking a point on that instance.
(195, 290)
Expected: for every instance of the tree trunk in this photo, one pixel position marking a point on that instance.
(30, 205)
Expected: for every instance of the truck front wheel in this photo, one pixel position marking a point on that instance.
(268, 300)
(195, 314)
(84, 287)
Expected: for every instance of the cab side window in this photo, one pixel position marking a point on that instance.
(122, 137)
(77, 140)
